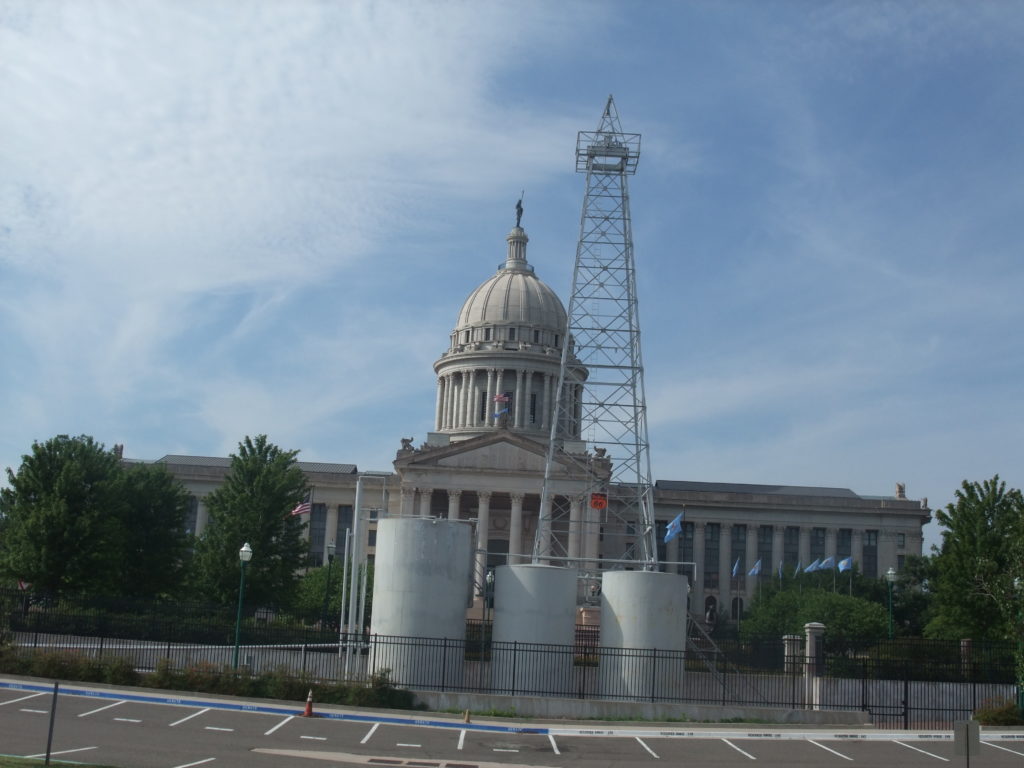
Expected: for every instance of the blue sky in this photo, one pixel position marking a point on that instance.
(224, 219)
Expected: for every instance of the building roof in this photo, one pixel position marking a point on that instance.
(780, 490)
(220, 461)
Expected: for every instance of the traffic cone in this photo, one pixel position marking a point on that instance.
(309, 705)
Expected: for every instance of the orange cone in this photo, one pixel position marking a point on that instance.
(309, 705)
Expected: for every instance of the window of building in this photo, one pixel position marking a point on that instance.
(533, 408)
(344, 526)
(817, 544)
(738, 555)
(765, 540)
(660, 526)
(192, 515)
(317, 533)
(371, 538)
(844, 543)
(374, 513)
(536, 337)
(869, 566)
(901, 540)
(483, 407)
(712, 533)
(686, 548)
(511, 334)
(901, 560)
(791, 545)
(465, 337)
(556, 341)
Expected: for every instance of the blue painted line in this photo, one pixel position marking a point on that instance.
(230, 706)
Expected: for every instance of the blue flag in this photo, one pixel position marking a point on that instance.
(780, 570)
(827, 564)
(736, 568)
(756, 570)
(813, 566)
(799, 567)
(674, 528)
(845, 564)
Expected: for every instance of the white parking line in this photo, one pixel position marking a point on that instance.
(23, 698)
(108, 706)
(1006, 748)
(290, 717)
(553, 745)
(369, 733)
(62, 752)
(215, 728)
(314, 738)
(127, 720)
(194, 714)
(499, 749)
(641, 742)
(34, 711)
(747, 754)
(414, 746)
(462, 738)
(197, 762)
(937, 757)
(829, 749)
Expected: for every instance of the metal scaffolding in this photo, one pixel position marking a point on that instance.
(603, 333)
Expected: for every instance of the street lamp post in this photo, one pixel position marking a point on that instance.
(244, 556)
(327, 587)
(890, 576)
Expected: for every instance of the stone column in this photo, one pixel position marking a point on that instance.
(464, 396)
(592, 537)
(778, 546)
(471, 401)
(331, 530)
(725, 562)
(698, 572)
(408, 501)
(202, 515)
(575, 523)
(526, 400)
(830, 544)
(439, 406)
(515, 529)
(489, 397)
(805, 546)
(545, 406)
(483, 528)
(446, 417)
(857, 548)
(425, 494)
(544, 530)
(454, 496)
(517, 400)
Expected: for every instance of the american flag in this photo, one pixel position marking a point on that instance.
(302, 508)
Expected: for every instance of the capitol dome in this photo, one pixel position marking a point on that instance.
(514, 296)
(501, 368)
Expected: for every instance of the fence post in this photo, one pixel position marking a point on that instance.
(515, 659)
(654, 675)
(814, 663)
(906, 696)
(444, 662)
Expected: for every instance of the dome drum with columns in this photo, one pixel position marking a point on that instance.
(501, 367)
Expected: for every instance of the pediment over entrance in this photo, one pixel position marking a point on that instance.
(501, 451)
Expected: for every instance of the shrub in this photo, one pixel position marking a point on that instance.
(999, 712)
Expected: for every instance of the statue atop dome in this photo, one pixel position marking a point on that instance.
(519, 209)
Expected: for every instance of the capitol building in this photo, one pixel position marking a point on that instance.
(506, 347)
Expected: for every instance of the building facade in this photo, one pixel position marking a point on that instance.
(484, 461)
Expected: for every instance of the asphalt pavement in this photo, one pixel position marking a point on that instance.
(137, 728)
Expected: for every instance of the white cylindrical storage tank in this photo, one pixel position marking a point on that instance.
(534, 630)
(418, 625)
(643, 634)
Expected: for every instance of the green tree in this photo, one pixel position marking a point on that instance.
(786, 612)
(262, 486)
(977, 563)
(309, 600)
(76, 520)
(154, 544)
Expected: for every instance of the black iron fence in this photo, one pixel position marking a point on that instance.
(901, 683)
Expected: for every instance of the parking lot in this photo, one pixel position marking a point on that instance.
(138, 729)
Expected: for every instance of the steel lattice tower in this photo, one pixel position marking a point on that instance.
(604, 334)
